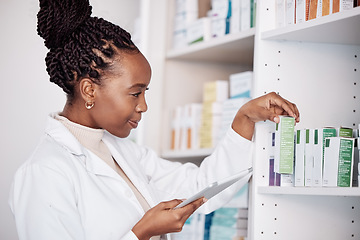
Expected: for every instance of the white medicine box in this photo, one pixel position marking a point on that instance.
(241, 84)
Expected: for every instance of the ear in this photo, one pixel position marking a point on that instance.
(87, 89)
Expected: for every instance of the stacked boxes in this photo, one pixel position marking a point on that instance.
(243, 15)
(228, 222)
(240, 93)
(220, 17)
(215, 93)
(186, 12)
(231, 221)
(202, 125)
(327, 157)
(298, 11)
(229, 109)
(185, 127)
(200, 20)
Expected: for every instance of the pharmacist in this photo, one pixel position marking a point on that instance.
(85, 180)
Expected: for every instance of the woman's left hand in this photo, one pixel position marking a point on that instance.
(267, 107)
(163, 218)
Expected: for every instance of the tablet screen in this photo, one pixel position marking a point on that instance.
(217, 187)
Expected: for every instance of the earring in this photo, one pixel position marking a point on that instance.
(89, 105)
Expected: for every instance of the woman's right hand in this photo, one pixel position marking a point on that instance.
(163, 218)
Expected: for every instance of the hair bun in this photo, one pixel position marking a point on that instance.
(57, 19)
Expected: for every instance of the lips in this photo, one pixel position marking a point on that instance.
(133, 123)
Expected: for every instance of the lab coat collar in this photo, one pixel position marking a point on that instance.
(93, 163)
(56, 130)
(63, 136)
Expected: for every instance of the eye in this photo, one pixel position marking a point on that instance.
(136, 94)
(139, 93)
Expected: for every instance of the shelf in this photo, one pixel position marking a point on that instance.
(232, 48)
(311, 191)
(184, 154)
(338, 28)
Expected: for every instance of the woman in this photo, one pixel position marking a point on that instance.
(84, 179)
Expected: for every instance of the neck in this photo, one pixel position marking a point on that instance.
(76, 112)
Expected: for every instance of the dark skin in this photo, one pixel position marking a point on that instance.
(118, 105)
(267, 107)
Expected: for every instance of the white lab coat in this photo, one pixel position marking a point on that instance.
(64, 191)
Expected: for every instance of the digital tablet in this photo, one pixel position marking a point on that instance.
(218, 186)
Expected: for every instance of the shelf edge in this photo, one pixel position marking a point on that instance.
(310, 191)
(213, 43)
(279, 33)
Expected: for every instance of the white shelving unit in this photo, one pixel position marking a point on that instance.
(232, 48)
(187, 69)
(315, 64)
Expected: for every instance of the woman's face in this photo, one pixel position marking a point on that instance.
(120, 99)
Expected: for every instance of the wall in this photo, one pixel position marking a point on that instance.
(26, 95)
(153, 46)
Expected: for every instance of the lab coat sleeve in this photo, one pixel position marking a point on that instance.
(44, 204)
(174, 180)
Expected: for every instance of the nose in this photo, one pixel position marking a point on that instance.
(142, 105)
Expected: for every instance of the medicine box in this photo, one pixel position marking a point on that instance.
(338, 162)
(220, 26)
(284, 145)
(241, 84)
(221, 8)
(199, 30)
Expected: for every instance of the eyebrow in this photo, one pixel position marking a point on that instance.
(141, 85)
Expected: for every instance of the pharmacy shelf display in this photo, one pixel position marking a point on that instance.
(232, 49)
(188, 68)
(334, 28)
(316, 65)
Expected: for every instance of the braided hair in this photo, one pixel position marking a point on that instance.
(79, 45)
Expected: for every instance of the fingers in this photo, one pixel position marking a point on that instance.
(190, 208)
(283, 106)
(293, 108)
(170, 204)
(180, 215)
(173, 203)
(163, 218)
(266, 107)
